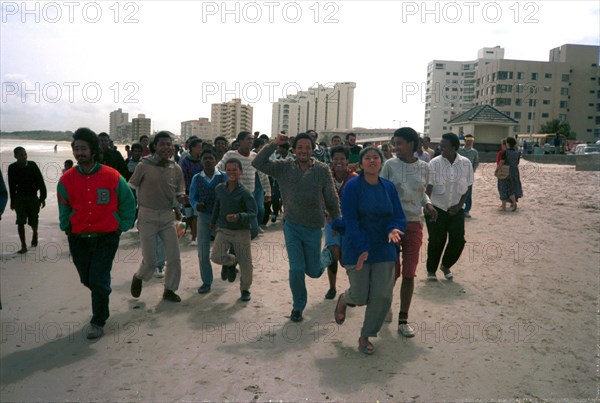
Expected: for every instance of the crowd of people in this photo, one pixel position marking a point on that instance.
(369, 201)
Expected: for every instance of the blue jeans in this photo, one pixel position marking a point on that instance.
(203, 235)
(93, 258)
(468, 201)
(303, 246)
(160, 253)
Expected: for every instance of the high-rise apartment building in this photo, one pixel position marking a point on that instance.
(117, 118)
(320, 108)
(230, 118)
(140, 126)
(531, 92)
(200, 128)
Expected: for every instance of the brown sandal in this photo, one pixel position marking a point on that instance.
(340, 316)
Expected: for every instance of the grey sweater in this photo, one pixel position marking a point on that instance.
(240, 202)
(304, 194)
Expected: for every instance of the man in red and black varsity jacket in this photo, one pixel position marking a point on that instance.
(95, 205)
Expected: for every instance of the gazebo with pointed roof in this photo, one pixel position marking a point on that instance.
(487, 124)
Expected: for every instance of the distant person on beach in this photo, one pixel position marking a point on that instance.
(426, 140)
(306, 189)
(450, 176)
(410, 176)
(232, 217)
(221, 147)
(145, 142)
(95, 205)
(202, 199)
(109, 156)
(190, 166)
(373, 222)
(55, 147)
(473, 155)
(333, 241)
(158, 181)
(128, 151)
(510, 189)
(354, 151)
(68, 164)
(134, 159)
(24, 182)
(3, 195)
(245, 154)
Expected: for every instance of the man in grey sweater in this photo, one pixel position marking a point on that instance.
(305, 185)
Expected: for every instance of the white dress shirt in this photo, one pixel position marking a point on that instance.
(449, 181)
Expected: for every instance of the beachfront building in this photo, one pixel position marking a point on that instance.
(116, 119)
(530, 92)
(321, 108)
(140, 126)
(200, 127)
(363, 135)
(230, 118)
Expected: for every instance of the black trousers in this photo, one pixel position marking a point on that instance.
(445, 228)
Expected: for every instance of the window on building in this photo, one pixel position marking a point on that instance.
(547, 88)
(518, 102)
(516, 129)
(454, 73)
(517, 115)
(548, 75)
(503, 101)
(563, 104)
(440, 66)
(528, 129)
(562, 117)
(545, 115)
(530, 115)
(564, 91)
(534, 76)
(532, 102)
(505, 75)
(520, 75)
(447, 73)
(546, 102)
(565, 78)
(493, 76)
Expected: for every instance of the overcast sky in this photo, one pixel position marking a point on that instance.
(64, 65)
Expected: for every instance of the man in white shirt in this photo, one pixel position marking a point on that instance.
(450, 176)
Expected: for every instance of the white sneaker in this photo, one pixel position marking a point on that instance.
(447, 273)
(194, 243)
(160, 272)
(431, 277)
(406, 330)
(388, 317)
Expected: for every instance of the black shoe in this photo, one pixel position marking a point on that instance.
(232, 274)
(95, 332)
(296, 316)
(224, 272)
(204, 288)
(330, 294)
(273, 217)
(171, 296)
(136, 286)
(22, 250)
(245, 296)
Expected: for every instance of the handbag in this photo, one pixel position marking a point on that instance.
(502, 172)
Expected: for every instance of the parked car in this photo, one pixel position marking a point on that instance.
(587, 149)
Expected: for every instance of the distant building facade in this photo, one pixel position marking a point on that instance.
(320, 108)
(531, 92)
(201, 128)
(140, 126)
(230, 118)
(117, 118)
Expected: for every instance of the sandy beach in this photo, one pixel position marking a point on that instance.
(519, 321)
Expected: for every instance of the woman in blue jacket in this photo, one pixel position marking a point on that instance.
(372, 224)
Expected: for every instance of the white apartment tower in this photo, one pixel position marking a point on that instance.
(117, 118)
(567, 87)
(230, 118)
(320, 108)
(200, 128)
